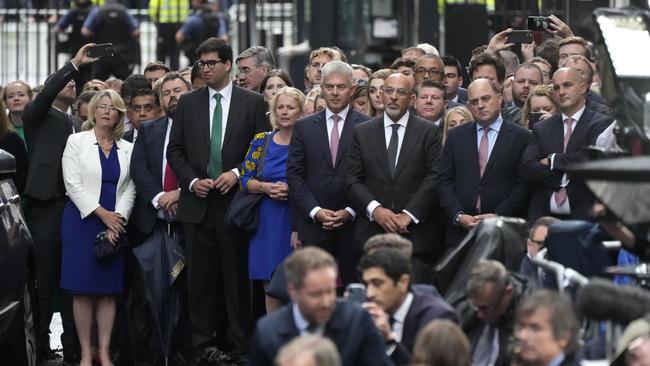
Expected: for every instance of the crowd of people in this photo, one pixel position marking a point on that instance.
(361, 176)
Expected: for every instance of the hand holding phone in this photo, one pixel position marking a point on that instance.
(356, 292)
(520, 36)
(100, 50)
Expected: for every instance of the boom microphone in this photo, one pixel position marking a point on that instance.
(603, 300)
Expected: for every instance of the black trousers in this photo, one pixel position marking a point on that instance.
(217, 273)
(340, 246)
(44, 222)
(166, 46)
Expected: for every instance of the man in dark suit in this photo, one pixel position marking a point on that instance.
(398, 310)
(453, 80)
(144, 106)
(479, 171)
(212, 129)
(314, 309)
(47, 127)
(316, 168)
(556, 144)
(391, 171)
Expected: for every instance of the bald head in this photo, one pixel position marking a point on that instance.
(397, 94)
(484, 101)
(570, 89)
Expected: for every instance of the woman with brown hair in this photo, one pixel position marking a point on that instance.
(442, 343)
(11, 142)
(539, 105)
(375, 83)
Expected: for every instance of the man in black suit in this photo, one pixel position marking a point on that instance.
(453, 80)
(314, 309)
(144, 106)
(398, 310)
(316, 168)
(47, 127)
(479, 171)
(556, 144)
(212, 129)
(390, 173)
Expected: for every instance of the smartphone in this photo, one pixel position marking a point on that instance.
(520, 36)
(538, 24)
(101, 50)
(533, 117)
(356, 292)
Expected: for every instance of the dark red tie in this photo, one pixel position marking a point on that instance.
(170, 182)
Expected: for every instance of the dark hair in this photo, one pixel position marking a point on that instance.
(145, 93)
(429, 83)
(276, 73)
(442, 343)
(196, 72)
(361, 91)
(487, 59)
(156, 65)
(176, 75)
(563, 318)
(452, 61)
(545, 221)
(393, 261)
(402, 61)
(131, 84)
(218, 45)
(83, 98)
(549, 51)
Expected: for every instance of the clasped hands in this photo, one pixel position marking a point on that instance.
(115, 224)
(390, 221)
(223, 183)
(469, 221)
(332, 220)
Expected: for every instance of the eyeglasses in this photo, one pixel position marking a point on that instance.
(400, 92)
(104, 107)
(433, 72)
(539, 243)
(211, 64)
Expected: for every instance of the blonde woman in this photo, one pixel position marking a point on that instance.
(455, 117)
(539, 105)
(96, 176)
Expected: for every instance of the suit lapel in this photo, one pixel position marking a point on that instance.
(557, 135)
(473, 151)
(379, 140)
(579, 130)
(204, 122)
(346, 136)
(159, 145)
(320, 126)
(233, 116)
(502, 140)
(410, 136)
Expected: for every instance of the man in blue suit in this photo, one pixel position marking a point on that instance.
(316, 168)
(480, 167)
(314, 309)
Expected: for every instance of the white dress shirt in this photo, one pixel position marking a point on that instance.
(154, 201)
(388, 132)
(302, 324)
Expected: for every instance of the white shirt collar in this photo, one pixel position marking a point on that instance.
(301, 323)
(343, 114)
(226, 92)
(400, 314)
(576, 116)
(402, 121)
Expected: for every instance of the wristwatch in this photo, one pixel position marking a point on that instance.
(457, 218)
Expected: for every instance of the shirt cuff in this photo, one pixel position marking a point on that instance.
(352, 212)
(155, 200)
(75, 66)
(551, 160)
(236, 171)
(391, 349)
(371, 207)
(313, 212)
(415, 219)
(192, 183)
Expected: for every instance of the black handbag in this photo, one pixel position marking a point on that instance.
(243, 212)
(104, 249)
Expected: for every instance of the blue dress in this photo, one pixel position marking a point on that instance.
(271, 244)
(81, 272)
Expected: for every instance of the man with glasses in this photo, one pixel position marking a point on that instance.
(429, 67)
(144, 106)
(535, 242)
(488, 316)
(391, 171)
(212, 130)
(252, 66)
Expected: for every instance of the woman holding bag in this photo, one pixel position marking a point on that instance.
(274, 239)
(96, 176)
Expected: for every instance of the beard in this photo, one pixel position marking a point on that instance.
(170, 110)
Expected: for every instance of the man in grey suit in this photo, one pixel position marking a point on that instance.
(390, 173)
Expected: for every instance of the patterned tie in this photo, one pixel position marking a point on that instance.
(170, 182)
(334, 138)
(215, 166)
(483, 149)
(560, 195)
(392, 148)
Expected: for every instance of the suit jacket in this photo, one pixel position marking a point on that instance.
(350, 328)
(82, 174)
(503, 189)
(46, 133)
(548, 138)
(412, 189)
(313, 180)
(427, 306)
(462, 95)
(128, 135)
(188, 151)
(146, 168)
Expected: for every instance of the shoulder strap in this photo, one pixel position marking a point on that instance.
(260, 163)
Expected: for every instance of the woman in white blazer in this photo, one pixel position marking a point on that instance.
(96, 176)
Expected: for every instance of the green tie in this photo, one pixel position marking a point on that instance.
(214, 165)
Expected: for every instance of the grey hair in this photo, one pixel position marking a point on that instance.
(337, 67)
(323, 351)
(261, 55)
(484, 272)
